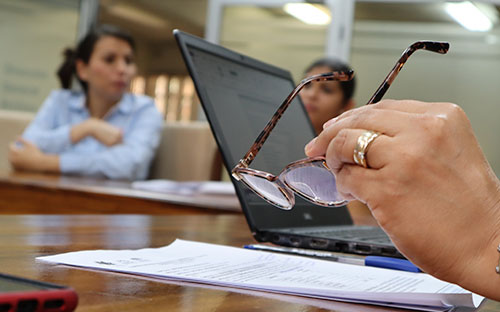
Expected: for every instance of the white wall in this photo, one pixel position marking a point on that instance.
(469, 75)
(272, 37)
(33, 35)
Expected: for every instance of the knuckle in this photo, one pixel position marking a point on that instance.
(365, 118)
(454, 109)
(353, 119)
(321, 141)
(344, 181)
(450, 110)
(360, 118)
(434, 131)
(383, 103)
(339, 142)
(457, 113)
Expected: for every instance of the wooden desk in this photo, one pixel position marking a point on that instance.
(25, 237)
(32, 193)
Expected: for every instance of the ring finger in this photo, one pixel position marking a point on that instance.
(341, 150)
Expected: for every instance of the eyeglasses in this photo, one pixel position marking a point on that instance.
(311, 178)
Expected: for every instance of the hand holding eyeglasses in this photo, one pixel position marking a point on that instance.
(419, 168)
(428, 185)
(311, 178)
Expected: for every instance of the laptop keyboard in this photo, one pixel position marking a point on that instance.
(359, 234)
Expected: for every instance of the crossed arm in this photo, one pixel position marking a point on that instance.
(45, 148)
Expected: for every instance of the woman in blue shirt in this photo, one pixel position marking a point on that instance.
(101, 131)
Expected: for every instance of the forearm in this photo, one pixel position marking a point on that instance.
(100, 130)
(81, 131)
(52, 141)
(482, 278)
(480, 274)
(481, 244)
(34, 160)
(119, 162)
(49, 130)
(48, 163)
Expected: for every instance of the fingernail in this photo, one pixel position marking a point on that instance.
(329, 122)
(310, 145)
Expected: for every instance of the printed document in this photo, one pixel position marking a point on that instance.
(265, 271)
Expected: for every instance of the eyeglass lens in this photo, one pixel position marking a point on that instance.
(313, 182)
(267, 189)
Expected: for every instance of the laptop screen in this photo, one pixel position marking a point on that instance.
(243, 99)
(239, 96)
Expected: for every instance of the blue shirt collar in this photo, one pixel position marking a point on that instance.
(125, 105)
(78, 102)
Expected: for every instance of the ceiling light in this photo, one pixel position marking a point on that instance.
(469, 16)
(307, 13)
(135, 15)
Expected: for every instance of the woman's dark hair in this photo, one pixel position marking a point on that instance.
(337, 65)
(84, 51)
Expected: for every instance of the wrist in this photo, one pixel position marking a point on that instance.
(48, 163)
(82, 130)
(479, 274)
(482, 276)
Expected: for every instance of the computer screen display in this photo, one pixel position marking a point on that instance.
(243, 100)
(239, 96)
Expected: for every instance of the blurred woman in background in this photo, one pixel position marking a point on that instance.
(100, 131)
(327, 99)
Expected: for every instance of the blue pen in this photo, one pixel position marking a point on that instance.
(373, 261)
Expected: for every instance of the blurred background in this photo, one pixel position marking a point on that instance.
(370, 35)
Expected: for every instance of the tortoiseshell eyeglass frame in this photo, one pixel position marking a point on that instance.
(242, 166)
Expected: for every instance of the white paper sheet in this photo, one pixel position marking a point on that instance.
(186, 187)
(258, 270)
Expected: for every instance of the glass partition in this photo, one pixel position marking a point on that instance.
(468, 75)
(275, 36)
(33, 35)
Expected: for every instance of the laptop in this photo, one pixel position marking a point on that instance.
(239, 95)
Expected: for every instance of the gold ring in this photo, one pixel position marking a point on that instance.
(362, 145)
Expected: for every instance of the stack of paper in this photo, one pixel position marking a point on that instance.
(186, 187)
(288, 274)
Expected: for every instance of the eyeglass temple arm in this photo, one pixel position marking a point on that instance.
(250, 155)
(438, 47)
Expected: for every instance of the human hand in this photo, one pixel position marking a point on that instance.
(428, 185)
(104, 132)
(24, 155)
